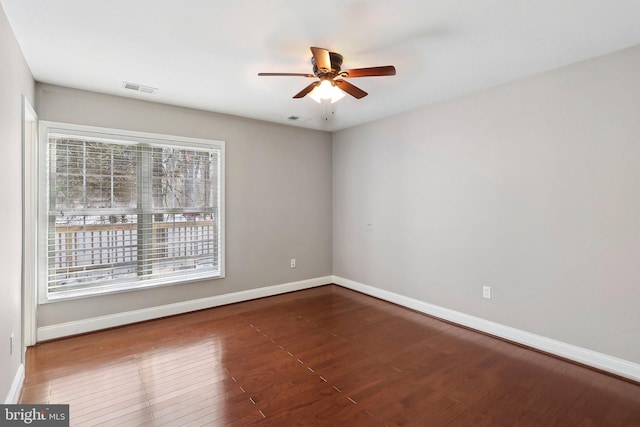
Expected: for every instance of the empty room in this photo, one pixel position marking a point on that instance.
(354, 213)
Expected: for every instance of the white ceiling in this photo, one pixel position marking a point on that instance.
(206, 54)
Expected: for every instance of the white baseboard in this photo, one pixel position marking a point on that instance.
(621, 367)
(96, 323)
(16, 387)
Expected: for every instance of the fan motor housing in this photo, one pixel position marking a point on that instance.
(336, 63)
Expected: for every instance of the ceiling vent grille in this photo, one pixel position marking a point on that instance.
(138, 87)
(295, 118)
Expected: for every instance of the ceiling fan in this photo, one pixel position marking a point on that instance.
(326, 66)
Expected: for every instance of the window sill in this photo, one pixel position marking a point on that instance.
(127, 287)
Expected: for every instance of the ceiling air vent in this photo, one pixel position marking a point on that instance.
(295, 118)
(139, 88)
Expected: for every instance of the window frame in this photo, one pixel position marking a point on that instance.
(120, 135)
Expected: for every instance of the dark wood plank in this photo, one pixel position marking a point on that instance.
(324, 356)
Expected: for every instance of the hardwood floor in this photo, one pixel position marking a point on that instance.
(324, 356)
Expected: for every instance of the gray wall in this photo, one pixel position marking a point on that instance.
(532, 188)
(278, 196)
(15, 81)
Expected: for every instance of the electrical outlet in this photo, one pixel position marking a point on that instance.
(486, 292)
(11, 344)
(293, 263)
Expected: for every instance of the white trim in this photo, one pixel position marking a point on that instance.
(614, 365)
(129, 135)
(16, 387)
(119, 319)
(29, 222)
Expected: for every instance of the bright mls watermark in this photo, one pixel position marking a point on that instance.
(34, 415)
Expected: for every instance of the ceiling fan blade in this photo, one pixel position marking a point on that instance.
(306, 90)
(322, 58)
(352, 90)
(286, 74)
(387, 70)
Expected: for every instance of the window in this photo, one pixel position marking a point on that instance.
(124, 210)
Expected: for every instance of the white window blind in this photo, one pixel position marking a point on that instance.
(127, 210)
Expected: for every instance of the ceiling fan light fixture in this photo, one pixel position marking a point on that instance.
(332, 87)
(326, 91)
